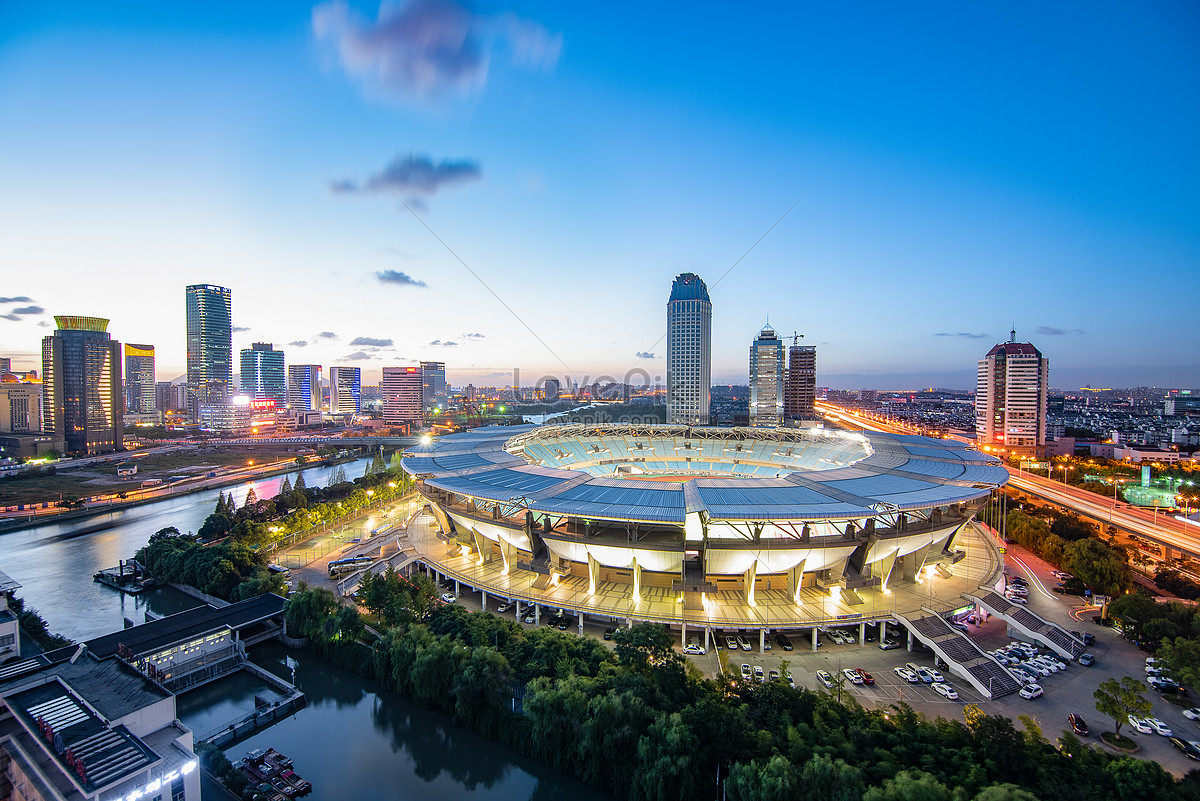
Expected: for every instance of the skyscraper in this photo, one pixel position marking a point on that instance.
(402, 392)
(262, 373)
(800, 383)
(304, 387)
(1011, 389)
(345, 390)
(766, 379)
(209, 345)
(689, 351)
(82, 401)
(139, 379)
(433, 386)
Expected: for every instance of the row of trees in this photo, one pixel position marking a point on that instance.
(1071, 544)
(228, 570)
(641, 723)
(299, 507)
(1172, 629)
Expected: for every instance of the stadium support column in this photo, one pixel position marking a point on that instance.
(882, 631)
(509, 554)
(482, 546)
(796, 581)
(637, 582)
(593, 574)
(885, 570)
(815, 633)
(751, 574)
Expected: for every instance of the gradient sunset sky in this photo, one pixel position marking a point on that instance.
(507, 185)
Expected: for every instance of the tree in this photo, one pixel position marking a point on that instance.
(1182, 658)
(299, 486)
(1100, 567)
(1119, 699)
(909, 785)
(251, 498)
(285, 488)
(1005, 792)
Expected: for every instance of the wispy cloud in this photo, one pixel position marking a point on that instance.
(641, 354)
(1048, 331)
(239, 328)
(20, 312)
(358, 356)
(472, 336)
(371, 342)
(299, 343)
(413, 175)
(18, 299)
(399, 279)
(963, 335)
(437, 343)
(327, 335)
(429, 50)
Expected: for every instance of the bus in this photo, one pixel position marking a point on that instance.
(340, 567)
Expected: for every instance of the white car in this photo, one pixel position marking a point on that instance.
(907, 675)
(824, 677)
(1159, 727)
(1030, 691)
(937, 677)
(848, 638)
(1140, 725)
(1022, 677)
(745, 642)
(1192, 714)
(746, 671)
(692, 648)
(944, 690)
(758, 674)
(1037, 668)
(448, 597)
(504, 607)
(1017, 599)
(836, 636)
(852, 675)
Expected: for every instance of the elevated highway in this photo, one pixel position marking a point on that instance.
(1180, 538)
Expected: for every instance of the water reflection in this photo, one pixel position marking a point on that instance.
(354, 741)
(55, 562)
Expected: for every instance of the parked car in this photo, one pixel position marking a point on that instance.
(888, 645)
(731, 643)
(836, 636)
(746, 671)
(1139, 725)
(1077, 725)
(529, 618)
(866, 677)
(1159, 727)
(907, 675)
(852, 675)
(783, 641)
(504, 607)
(1030, 691)
(744, 641)
(944, 690)
(609, 632)
(759, 676)
(693, 648)
(1190, 748)
(1017, 599)
(1087, 660)
(448, 597)
(791, 682)
(824, 677)
(774, 674)
(848, 638)
(1192, 714)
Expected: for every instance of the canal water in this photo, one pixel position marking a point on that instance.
(54, 563)
(354, 742)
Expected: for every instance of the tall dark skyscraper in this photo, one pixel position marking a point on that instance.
(800, 384)
(139, 379)
(689, 351)
(82, 401)
(209, 346)
(433, 386)
(261, 373)
(345, 390)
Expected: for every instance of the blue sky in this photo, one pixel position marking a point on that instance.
(960, 168)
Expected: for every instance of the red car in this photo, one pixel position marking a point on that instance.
(1077, 725)
(866, 677)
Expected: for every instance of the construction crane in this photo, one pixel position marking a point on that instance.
(796, 337)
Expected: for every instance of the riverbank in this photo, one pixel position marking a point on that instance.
(156, 495)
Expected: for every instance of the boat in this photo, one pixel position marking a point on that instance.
(271, 773)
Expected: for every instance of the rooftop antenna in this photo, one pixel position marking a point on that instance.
(1013, 332)
(796, 337)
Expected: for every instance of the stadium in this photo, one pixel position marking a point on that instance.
(757, 530)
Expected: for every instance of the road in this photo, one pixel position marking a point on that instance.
(1156, 526)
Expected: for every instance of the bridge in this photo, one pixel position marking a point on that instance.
(316, 440)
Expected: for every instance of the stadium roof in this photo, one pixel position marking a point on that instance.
(899, 473)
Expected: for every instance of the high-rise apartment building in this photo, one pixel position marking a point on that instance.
(433, 386)
(209, 345)
(82, 400)
(345, 390)
(402, 390)
(1011, 390)
(689, 351)
(20, 408)
(800, 383)
(304, 387)
(5, 365)
(170, 397)
(262, 373)
(139, 379)
(766, 379)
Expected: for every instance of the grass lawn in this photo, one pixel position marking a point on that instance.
(1120, 741)
(45, 488)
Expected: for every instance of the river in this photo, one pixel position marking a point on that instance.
(350, 741)
(54, 564)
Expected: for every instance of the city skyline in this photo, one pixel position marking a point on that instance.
(1050, 194)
